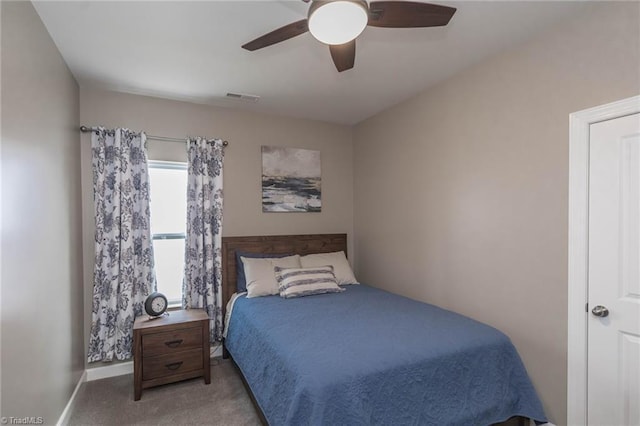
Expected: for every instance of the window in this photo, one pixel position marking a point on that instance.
(168, 225)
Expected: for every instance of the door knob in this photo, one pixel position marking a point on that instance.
(600, 311)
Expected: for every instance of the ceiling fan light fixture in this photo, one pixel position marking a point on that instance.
(337, 21)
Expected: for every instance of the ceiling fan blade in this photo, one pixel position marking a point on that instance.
(276, 36)
(408, 14)
(344, 55)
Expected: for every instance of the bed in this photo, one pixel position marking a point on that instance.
(366, 356)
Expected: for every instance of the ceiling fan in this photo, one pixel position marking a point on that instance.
(338, 23)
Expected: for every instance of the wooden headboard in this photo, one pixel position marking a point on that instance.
(285, 244)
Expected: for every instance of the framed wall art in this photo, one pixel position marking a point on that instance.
(291, 180)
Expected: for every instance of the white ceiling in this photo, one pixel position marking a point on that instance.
(191, 51)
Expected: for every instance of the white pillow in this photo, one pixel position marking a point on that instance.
(298, 282)
(341, 269)
(261, 279)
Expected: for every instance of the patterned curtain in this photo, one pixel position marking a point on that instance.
(201, 287)
(123, 275)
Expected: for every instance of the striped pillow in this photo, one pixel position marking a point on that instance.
(297, 282)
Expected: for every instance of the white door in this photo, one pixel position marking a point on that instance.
(613, 390)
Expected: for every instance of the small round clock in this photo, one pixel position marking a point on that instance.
(156, 304)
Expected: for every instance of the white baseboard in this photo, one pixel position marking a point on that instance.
(66, 413)
(114, 370)
(90, 375)
(215, 351)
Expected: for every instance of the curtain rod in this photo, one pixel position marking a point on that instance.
(85, 129)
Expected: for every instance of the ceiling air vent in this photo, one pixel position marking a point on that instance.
(243, 97)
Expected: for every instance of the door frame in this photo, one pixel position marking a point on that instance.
(579, 246)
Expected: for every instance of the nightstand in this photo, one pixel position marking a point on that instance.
(170, 349)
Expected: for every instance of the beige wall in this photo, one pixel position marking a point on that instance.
(246, 132)
(461, 193)
(42, 324)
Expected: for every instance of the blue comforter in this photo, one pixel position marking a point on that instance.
(366, 356)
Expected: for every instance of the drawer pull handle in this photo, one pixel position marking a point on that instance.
(173, 365)
(173, 343)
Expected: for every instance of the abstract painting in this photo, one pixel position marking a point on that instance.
(290, 180)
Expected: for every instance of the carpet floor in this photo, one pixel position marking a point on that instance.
(224, 402)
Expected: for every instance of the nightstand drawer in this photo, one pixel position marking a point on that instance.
(167, 365)
(172, 341)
